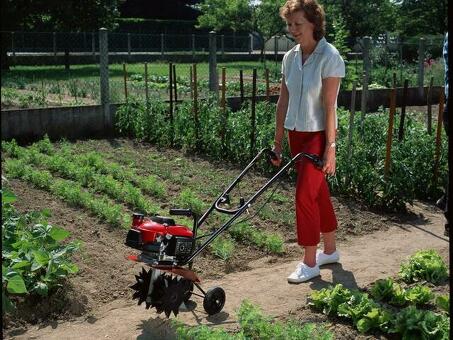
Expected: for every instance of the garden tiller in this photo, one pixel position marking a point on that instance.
(169, 249)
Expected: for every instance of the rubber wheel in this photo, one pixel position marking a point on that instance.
(214, 300)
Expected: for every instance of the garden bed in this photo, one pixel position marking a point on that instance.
(105, 274)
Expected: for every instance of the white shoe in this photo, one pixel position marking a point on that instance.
(322, 258)
(303, 273)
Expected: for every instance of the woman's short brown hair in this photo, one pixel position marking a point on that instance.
(313, 12)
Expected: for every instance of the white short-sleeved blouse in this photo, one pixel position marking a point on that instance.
(304, 82)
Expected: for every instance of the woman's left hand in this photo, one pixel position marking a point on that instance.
(329, 161)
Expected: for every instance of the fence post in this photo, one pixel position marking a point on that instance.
(162, 45)
(93, 45)
(54, 43)
(366, 77)
(129, 46)
(222, 42)
(366, 57)
(104, 70)
(193, 47)
(429, 117)
(213, 82)
(13, 48)
(251, 43)
(421, 68)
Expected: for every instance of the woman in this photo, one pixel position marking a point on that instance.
(311, 73)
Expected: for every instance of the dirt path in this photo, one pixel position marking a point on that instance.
(363, 260)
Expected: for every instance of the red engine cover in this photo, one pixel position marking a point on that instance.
(150, 230)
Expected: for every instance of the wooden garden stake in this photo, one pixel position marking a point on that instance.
(390, 131)
(146, 85)
(170, 112)
(191, 82)
(253, 116)
(267, 84)
(175, 84)
(241, 85)
(351, 125)
(195, 104)
(125, 80)
(429, 118)
(438, 136)
(223, 105)
(403, 111)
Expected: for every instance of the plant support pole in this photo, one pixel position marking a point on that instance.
(438, 136)
(195, 105)
(170, 111)
(241, 85)
(390, 131)
(253, 117)
(429, 117)
(403, 111)
(146, 85)
(351, 126)
(125, 81)
(175, 85)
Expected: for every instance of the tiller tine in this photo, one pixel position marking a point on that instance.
(163, 291)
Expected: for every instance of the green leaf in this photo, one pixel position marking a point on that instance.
(41, 257)
(8, 197)
(41, 288)
(16, 285)
(7, 305)
(59, 234)
(21, 264)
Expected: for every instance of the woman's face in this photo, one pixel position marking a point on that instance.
(300, 28)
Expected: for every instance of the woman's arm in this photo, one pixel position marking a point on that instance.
(329, 94)
(282, 107)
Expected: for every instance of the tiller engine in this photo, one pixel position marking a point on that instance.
(169, 249)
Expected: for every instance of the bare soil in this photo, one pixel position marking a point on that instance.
(96, 303)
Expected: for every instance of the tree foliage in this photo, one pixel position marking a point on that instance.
(55, 15)
(421, 17)
(220, 15)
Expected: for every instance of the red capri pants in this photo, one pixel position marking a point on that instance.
(314, 210)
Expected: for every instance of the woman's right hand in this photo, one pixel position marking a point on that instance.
(277, 149)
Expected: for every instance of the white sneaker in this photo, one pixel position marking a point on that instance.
(322, 258)
(303, 273)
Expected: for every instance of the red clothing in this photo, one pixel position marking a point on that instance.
(314, 210)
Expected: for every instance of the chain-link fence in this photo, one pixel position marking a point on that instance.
(88, 42)
(384, 61)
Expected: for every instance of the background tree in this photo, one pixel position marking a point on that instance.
(417, 17)
(55, 15)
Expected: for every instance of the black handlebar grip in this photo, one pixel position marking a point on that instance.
(318, 162)
(181, 212)
(272, 155)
